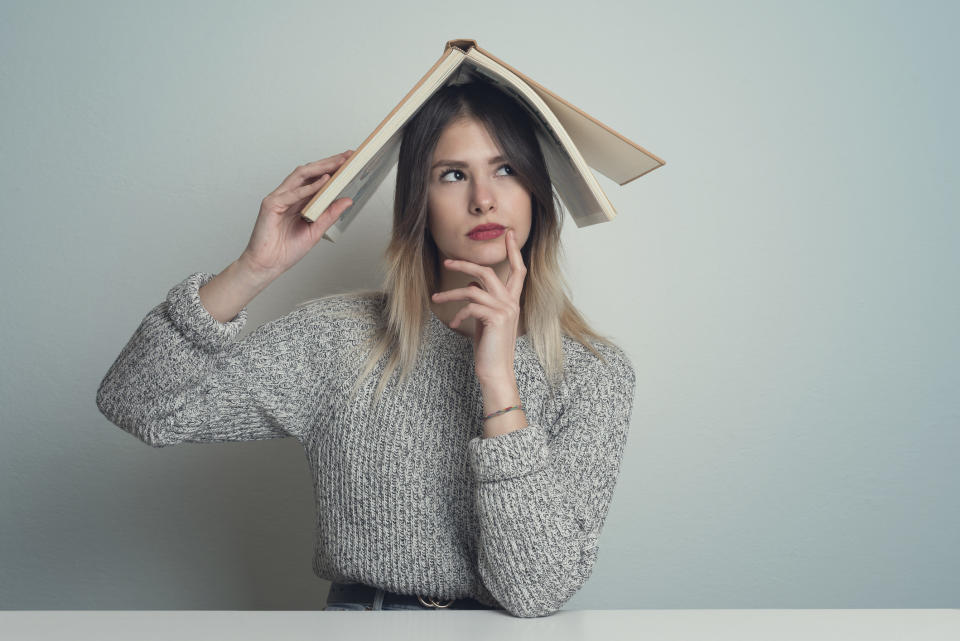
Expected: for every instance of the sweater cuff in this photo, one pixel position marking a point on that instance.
(509, 455)
(194, 321)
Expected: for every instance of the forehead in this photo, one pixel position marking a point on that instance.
(464, 136)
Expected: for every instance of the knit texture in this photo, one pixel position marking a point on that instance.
(409, 495)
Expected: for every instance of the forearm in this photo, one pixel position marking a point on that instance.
(534, 551)
(231, 290)
(183, 376)
(544, 491)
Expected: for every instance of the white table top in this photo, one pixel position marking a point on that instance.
(604, 625)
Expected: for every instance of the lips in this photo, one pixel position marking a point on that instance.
(484, 227)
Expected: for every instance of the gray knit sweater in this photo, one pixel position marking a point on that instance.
(409, 496)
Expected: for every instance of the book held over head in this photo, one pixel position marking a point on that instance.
(572, 141)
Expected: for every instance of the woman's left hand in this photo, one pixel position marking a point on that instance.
(496, 306)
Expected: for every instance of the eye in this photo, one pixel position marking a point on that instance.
(457, 171)
(450, 171)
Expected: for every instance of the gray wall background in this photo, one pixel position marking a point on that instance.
(786, 285)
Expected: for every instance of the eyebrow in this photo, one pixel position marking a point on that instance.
(460, 163)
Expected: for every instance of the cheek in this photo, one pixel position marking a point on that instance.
(439, 196)
(432, 208)
(438, 208)
(435, 204)
(522, 197)
(524, 202)
(436, 223)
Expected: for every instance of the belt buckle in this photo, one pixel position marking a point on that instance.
(434, 604)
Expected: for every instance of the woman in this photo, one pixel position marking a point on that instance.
(464, 427)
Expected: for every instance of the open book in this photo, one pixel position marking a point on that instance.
(572, 142)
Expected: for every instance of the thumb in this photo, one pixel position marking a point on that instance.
(333, 212)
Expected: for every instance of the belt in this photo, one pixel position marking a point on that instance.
(362, 593)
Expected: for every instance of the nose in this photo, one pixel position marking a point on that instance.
(481, 197)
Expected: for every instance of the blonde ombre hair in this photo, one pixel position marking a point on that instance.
(411, 259)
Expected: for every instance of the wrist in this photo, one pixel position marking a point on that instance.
(256, 277)
(504, 380)
(495, 392)
(498, 397)
(499, 393)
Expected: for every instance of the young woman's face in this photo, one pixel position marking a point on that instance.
(469, 186)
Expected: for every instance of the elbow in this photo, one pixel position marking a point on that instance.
(536, 600)
(529, 613)
(542, 604)
(141, 431)
(549, 592)
(148, 437)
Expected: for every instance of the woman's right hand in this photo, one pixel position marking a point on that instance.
(280, 236)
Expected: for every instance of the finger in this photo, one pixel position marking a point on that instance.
(319, 167)
(306, 193)
(484, 313)
(335, 208)
(310, 188)
(301, 194)
(489, 279)
(475, 294)
(338, 206)
(518, 271)
(470, 309)
(316, 168)
(331, 214)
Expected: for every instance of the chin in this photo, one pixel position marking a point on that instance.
(489, 259)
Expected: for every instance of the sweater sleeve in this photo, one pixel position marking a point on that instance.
(182, 376)
(543, 494)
